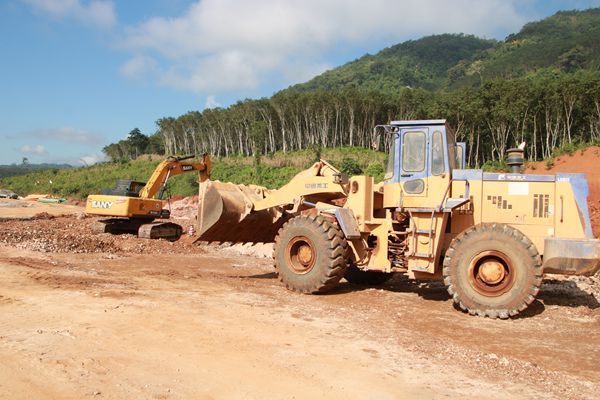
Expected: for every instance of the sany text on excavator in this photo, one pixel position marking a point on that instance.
(134, 206)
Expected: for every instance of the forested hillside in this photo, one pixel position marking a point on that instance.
(542, 86)
(422, 63)
(567, 41)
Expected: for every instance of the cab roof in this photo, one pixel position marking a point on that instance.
(419, 122)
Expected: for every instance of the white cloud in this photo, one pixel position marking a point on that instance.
(98, 12)
(138, 67)
(228, 45)
(90, 159)
(66, 134)
(38, 149)
(211, 102)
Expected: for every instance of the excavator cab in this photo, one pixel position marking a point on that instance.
(126, 188)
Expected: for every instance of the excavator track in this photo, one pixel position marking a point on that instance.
(160, 230)
(143, 228)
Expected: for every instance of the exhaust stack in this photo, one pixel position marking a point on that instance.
(515, 159)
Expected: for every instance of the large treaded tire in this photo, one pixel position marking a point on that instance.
(500, 245)
(357, 276)
(323, 270)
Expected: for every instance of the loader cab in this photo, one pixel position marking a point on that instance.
(422, 155)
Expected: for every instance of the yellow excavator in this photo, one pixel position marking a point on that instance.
(134, 206)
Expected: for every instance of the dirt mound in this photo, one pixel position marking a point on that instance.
(585, 161)
(185, 207)
(47, 233)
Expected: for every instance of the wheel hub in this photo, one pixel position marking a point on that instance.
(300, 254)
(305, 254)
(491, 273)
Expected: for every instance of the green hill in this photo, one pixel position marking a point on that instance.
(567, 41)
(417, 63)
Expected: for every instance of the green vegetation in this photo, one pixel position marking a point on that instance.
(275, 171)
(136, 144)
(548, 109)
(419, 63)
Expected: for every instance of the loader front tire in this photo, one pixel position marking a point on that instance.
(492, 270)
(309, 254)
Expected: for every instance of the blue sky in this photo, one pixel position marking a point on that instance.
(76, 75)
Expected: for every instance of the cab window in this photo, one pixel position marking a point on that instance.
(459, 157)
(413, 151)
(437, 154)
(451, 142)
(389, 170)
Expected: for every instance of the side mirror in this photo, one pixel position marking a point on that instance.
(376, 137)
(376, 141)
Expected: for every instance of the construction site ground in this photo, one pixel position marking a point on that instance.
(86, 315)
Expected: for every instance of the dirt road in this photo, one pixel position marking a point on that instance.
(158, 322)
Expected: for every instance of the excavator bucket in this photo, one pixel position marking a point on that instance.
(225, 214)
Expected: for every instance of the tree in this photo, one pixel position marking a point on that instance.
(138, 142)
(258, 132)
(156, 144)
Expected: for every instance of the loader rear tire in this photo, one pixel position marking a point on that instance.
(309, 254)
(492, 270)
(357, 276)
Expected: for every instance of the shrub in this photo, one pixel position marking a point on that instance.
(350, 166)
(375, 170)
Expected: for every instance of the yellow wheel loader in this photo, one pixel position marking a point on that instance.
(135, 206)
(489, 237)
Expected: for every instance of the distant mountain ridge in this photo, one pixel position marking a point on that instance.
(567, 41)
(23, 169)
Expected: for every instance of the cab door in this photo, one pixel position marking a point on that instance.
(413, 165)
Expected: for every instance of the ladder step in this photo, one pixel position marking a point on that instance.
(422, 268)
(421, 255)
(424, 231)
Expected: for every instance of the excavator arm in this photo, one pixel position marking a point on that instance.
(170, 167)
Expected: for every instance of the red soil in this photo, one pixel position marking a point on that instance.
(586, 161)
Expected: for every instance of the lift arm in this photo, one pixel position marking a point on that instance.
(174, 166)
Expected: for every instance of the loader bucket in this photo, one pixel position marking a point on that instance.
(225, 214)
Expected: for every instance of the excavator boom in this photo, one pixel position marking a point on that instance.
(170, 167)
